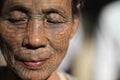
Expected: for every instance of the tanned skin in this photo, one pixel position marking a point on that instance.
(34, 37)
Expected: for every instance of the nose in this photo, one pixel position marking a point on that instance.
(35, 35)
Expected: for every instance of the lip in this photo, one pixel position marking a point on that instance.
(34, 64)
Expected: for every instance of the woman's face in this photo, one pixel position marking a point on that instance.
(35, 34)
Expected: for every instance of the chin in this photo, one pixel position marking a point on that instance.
(25, 73)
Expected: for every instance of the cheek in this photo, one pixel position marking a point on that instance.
(59, 38)
(7, 31)
(9, 38)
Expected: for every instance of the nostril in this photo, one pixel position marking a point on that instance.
(34, 47)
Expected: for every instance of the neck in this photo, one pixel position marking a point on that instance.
(54, 76)
(8, 74)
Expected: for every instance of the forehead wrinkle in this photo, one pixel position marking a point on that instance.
(18, 1)
(46, 4)
(36, 6)
(9, 4)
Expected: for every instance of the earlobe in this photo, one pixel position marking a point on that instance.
(78, 6)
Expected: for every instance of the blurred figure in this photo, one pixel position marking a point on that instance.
(107, 60)
(83, 61)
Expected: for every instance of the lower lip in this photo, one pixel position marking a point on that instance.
(34, 65)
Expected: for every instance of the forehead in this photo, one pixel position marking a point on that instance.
(40, 4)
(38, 1)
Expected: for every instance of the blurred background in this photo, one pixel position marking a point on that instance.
(94, 52)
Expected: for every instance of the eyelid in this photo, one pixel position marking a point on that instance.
(15, 21)
(60, 14)
(54, 10)
(56, 21)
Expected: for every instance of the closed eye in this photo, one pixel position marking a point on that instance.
(55, 18)
(18, 21)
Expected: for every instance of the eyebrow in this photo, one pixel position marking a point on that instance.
(19, 7)
(56, 9)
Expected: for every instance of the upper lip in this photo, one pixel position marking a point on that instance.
(33, 57)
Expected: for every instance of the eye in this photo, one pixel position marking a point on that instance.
(55, 18)
(17, 18)
(18, 21)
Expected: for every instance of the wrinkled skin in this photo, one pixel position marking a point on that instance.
(34, 36)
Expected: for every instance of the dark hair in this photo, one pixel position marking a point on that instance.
(75, 10)
(1, 5)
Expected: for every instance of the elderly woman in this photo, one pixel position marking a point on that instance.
(34, 37)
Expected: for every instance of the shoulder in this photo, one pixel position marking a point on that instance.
(2, 69)
(2, 72)
(64, 76)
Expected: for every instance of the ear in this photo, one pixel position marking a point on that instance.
(75, 26)
(75, 22)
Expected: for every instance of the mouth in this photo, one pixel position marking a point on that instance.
(34, 64)
(33, 61)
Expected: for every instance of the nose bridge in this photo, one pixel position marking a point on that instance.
(36, 35)
(35, 27)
